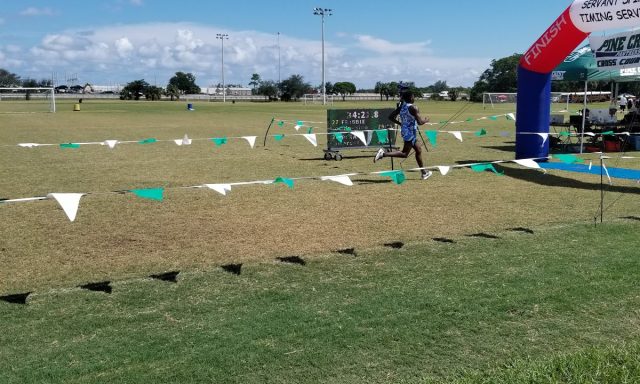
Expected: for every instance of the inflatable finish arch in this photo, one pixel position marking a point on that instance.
(534, 70)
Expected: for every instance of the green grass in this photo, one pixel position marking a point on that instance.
(431, 312)
(521, 306)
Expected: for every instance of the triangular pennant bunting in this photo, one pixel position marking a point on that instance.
(220, 188)
(149, 193)
(397, 177)
(339, 137)
(457, 135)
(251, 140)
(342, 179)
(529, 163)
(432, 136)
(28, 145)
(511, 116)
(110, 143)
(568, 158)
(69, 145)
(481, 132)
(288, 182)
(485, 167)
(311, 137)
(69, 203)
(360, 135)
(544, 136)
(219, 141)
(147, 141)
(278, 137)
(383, 136)
(444, 169)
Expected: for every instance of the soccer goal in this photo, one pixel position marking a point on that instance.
(316, 98)
(27, 100)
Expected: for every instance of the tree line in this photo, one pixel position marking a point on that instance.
(501, 76)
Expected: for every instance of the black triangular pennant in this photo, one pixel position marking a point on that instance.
(102, 286)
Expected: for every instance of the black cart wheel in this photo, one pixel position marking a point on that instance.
(327, 156)
(338, 157)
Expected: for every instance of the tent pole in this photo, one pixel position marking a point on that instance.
(584, 116)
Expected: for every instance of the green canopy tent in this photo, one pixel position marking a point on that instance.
(581, 65)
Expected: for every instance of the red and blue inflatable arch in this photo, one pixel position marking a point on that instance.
(534, 70)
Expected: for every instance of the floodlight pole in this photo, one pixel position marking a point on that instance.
(322, 12)
(279, 59)
(222, 37)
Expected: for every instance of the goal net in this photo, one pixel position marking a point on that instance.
(316, 98)
(27, 100)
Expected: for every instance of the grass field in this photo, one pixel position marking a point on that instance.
(550, 294)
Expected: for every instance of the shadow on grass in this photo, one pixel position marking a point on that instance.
(505, 148)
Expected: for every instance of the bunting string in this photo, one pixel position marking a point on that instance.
(70, 202)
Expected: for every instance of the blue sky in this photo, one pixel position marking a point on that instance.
(117, 41)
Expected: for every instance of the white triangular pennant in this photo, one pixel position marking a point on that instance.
(297, 127)
(360, 135)
(186, 140)
(69, 202)
(512, 116)
(28, 145)
(443, 169)
(544, 137)
(251, 140)
(457, 134)
(311, 137)
(220, 188)
(342, 179)
(529, 163)
(110, 143)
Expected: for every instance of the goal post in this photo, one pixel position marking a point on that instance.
(316, 98)
(20, 99)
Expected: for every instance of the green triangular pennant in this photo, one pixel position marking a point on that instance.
(481, 132)
(397, 177)
(485, 167)
(69, 145)
(278, 137)
(443, 122)
(280, 123)
(568, 158)
(383, 136)
(288, 182)
(219, 141)
(469, 119)
(310, 130)
(147, 141)
(339, 137)
(432, 136)
(564, 134)
(149, 193)
(493, 117)
(608, 133)
(300, 123)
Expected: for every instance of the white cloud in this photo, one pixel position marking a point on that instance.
(132, 52)
(386, 47)
(33, 11)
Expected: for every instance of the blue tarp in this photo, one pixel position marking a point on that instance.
(619, 173)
